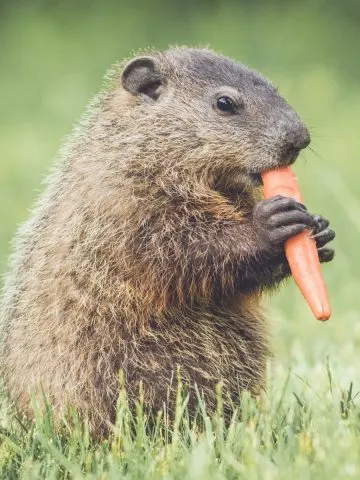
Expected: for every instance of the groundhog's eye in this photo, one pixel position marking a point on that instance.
(226, 105)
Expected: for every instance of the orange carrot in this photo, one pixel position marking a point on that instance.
(300, 250)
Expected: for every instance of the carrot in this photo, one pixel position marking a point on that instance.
(300, 250)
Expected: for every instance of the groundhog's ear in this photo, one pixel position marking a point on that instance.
(141, 76)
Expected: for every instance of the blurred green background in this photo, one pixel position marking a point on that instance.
(52, 59)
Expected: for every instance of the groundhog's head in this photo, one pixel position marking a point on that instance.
(194, 107)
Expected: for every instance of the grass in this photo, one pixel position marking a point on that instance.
(307, 426)
(294, 431)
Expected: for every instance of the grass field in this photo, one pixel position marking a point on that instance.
(308, 425)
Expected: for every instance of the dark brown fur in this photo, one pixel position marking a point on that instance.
(143, 254)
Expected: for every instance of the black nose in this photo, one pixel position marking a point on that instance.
(298, 138)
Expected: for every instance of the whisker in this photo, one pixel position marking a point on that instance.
(314, 132)
(317, 154)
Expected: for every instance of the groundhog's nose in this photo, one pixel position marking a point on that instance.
(298, 138)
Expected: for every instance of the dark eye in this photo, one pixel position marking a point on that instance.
(226, 105)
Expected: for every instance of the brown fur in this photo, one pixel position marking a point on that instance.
(139, 254)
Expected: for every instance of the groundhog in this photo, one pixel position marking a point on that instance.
(151, 248)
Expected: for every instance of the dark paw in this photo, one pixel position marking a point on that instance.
(322, 235)
(321, 231)
(278, 219)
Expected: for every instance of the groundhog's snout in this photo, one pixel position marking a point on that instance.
(299, 137)
(295, 140)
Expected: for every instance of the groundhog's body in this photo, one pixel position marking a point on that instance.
(143, 254)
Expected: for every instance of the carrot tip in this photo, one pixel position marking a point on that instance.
(323, 313)
(323, 316)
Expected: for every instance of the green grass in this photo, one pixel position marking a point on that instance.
(307, 427)
(295, 431)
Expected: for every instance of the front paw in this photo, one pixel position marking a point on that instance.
(278, 219)
(322, 235)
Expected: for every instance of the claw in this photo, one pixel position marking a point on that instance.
(324, 237)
